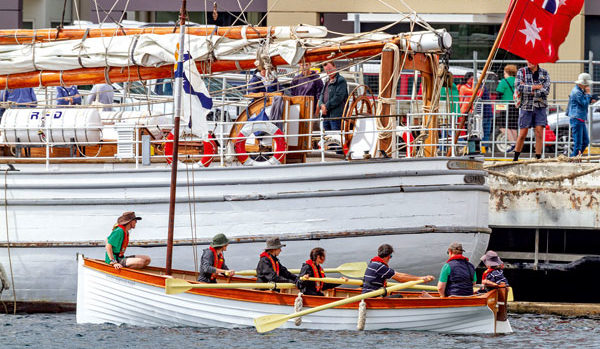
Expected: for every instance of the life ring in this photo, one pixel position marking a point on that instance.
(266, 127)
(208, 151)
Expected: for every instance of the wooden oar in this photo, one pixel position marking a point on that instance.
(268, 323)
(175, 286)
(353, 270)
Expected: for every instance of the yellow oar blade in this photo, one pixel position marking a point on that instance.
(353, 270)
(175, 286)
(510, 297)
(270, 322)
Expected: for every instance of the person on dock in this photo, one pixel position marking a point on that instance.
(493, 277)
(510, 115)
(269, 269)
(212, 261)
(333, 98)
(67, 95)
(117, 242)
(312, 268)
(457, 277)
(533, 86)
(577, 110)
(378, 271)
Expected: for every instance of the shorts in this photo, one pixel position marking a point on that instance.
(532, 118)
(123, 261)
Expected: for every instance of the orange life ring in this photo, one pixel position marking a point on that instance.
(266, 127)
(209, 149)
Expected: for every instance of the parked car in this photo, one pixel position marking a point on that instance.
(559, 123)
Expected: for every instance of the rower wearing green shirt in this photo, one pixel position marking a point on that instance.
(457, 277)
(117, 242)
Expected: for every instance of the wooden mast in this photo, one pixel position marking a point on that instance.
(385, 92)
(485, 69)
(177, 114)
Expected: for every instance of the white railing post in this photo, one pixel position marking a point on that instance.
(322, 135)
(222, 118)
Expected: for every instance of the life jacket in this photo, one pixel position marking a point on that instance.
(273, 263)
(485, 273)
(380, 260)
(125, 241)
(318, 273)
(218, 262)
(460, 280)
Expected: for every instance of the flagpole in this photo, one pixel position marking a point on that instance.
(177, 121)
(485, 69)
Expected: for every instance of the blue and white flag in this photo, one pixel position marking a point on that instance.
(196, 100)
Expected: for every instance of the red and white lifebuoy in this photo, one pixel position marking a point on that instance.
(408, 140)
(209, 149)
(261, 126)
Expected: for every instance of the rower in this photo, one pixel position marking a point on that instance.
(212, 261)
(378, 272)
(457, 277)
(312, 268)
(269, 269)
(117, 242)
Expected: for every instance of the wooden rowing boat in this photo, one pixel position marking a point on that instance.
(105, 295)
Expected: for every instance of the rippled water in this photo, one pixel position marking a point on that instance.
(61, 331)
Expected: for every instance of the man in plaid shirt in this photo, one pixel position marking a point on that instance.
(533, 85)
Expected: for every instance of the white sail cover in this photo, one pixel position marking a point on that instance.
(152, 50)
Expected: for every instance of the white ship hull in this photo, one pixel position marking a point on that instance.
(349, 208)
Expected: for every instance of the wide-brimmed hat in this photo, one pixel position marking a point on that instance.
(491, 259)
(128, 217)
(273, 244)
(219, 240)
(456, 247)
(584, 79)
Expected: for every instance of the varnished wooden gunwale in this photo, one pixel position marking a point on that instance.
(152, 277)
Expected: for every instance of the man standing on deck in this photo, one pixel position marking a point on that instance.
(378, 271)
(212, 261)
(117, 242)
(333, 98)
(533, 86)
(307, 83)
(457, 277)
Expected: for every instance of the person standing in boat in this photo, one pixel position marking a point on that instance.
(103, 94)
(312, 268)
(262, 82)
(333, 98)
(67, 95)
(117, 242)
(457, 277)
(378, 271)
(21, 97)
(269, 269)
(307, 83)
(213, 261)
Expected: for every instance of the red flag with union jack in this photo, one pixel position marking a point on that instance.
(536, 28)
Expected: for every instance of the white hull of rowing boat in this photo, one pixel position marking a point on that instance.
(104, 298)
(417, 205)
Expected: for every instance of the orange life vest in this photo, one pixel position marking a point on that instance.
(125, 241)
(218, 262)
(273, 263)
(318, 273)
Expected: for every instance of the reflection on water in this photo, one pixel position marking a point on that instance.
(60, 331)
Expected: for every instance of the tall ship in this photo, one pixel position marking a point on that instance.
(253, 166)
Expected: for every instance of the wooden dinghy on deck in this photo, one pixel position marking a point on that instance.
(138, 298)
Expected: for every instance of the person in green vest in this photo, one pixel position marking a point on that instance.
(506, 89)
(117, 242)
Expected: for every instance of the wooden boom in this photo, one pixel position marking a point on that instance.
(87, 76)
(27, 36)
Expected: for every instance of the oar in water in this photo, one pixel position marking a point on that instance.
(268, 323)
(353, 270)
(175, 286)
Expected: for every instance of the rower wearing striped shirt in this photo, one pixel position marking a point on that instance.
(378, 271)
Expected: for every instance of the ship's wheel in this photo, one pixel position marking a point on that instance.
(359, 104)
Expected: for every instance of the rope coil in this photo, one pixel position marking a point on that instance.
(298, 303)
(362, 315)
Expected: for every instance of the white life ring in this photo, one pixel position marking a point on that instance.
(261, 126)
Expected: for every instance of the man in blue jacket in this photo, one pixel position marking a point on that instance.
(577, 110)
(457, 277)
(333, 98)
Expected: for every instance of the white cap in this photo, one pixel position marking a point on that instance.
(584, 79)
